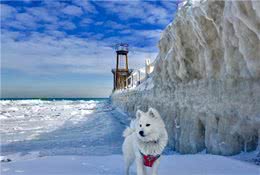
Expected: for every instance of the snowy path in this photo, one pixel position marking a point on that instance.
(113, 165)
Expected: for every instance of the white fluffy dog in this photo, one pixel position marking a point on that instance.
(144, 142)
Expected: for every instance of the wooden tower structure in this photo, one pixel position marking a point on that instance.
(121, 72)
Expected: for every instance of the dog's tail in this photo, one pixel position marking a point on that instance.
(129, 130)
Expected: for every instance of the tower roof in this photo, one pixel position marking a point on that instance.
(122, 48)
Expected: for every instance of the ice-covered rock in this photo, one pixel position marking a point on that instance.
(206, 81)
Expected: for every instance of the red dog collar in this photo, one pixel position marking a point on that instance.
(149, 159)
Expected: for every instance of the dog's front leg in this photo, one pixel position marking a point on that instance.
(155, 167)
(140, 166)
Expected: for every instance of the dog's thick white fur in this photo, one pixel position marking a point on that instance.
(146, 134)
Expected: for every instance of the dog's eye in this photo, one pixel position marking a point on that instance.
(140, 125)
(147, 124)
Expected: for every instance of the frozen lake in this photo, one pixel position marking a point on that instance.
(63, 127)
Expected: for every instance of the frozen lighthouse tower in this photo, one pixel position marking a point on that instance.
(121, 72)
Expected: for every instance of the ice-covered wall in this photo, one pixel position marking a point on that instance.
(206, 81)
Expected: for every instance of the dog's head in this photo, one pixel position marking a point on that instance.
(149, 125)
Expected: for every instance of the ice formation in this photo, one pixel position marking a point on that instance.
(206, 82)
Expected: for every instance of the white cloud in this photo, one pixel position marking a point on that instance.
(23, 21)
(125, 31)
(72, 10)
(25, 18)
(114, 25)
(68, 25)
(6, 11)
(56, 33)
(170, 4)
(44, 14)
(43, 54)
(156, 14)
(99, 23)
(54, 4)
(86, 21)
(40, 52)
(86, 5)
(58, 52)
(144, 10)
(155, 34)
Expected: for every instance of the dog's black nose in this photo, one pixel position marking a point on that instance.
(141, 133)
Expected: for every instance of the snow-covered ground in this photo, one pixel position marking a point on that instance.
(198, 164)
(84, 137)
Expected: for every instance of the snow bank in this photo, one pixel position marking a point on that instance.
(206, 80)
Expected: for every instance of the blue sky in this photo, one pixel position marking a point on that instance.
(65, 48)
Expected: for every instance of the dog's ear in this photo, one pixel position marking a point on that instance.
(152, 112)
(138, 114)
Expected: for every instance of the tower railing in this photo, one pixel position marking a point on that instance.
(139, 75)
